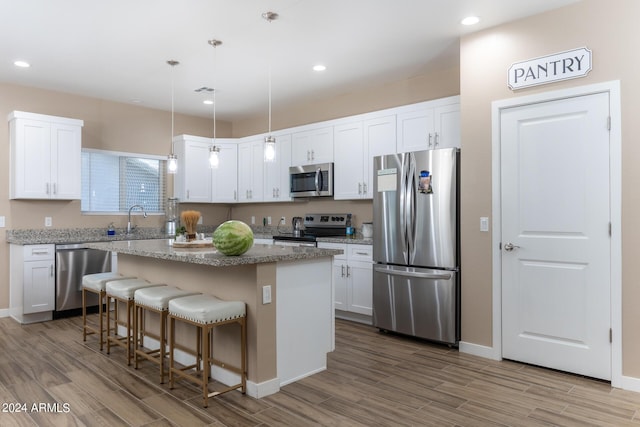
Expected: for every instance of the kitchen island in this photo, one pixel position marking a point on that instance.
(287, 290)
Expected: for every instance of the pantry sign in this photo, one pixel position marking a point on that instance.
(570, 64)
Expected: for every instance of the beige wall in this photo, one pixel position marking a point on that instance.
(609, 29)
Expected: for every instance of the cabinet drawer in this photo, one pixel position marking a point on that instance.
(38, 252)
(360, 252)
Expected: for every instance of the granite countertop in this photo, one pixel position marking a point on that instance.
(163, 249)
(79, 235)
(84, 235)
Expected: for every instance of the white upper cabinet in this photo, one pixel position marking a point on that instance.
(429, 125)
(276, 174)
(195, 181)
(380, 139)
(355, 145)
(312, 146)
(348, 169)
(224, 179)
(45, 156)
(251, 171)
(192, 182)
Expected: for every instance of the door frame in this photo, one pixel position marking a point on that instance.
(615, 183)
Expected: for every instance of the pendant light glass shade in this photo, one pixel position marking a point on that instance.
(214, 158)
(270, 140)
(269, 149)
(172, 159)
(172, 163)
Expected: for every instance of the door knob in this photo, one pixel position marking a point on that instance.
(510, 246)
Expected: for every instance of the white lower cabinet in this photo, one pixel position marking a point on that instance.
(32, 282)
(352, 281)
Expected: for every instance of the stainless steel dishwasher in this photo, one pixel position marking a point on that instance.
(73, 261)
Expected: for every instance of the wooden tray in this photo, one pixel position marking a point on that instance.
(194, 244)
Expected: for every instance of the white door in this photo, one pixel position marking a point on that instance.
(556, 301)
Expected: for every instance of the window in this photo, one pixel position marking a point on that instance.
(113, 182)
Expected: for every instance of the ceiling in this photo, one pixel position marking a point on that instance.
(118, 49)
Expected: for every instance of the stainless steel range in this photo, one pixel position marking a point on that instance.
(316, 225)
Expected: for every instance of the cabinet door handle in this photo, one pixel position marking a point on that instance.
(308, 155)
(364, 188)
(436, 140)
(359, 188)
(342, 270)
(362, 253)
(235, 195)
(348, 272)
(313, 155)
(278, 192)
(55, 189)
(51, 270)
(47, 189)
(430, 137)
(42, 252)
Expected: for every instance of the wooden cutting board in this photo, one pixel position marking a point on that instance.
(194, 244)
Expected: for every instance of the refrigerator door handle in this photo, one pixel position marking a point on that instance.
(393, 272)
(411, 207)
(403, 207)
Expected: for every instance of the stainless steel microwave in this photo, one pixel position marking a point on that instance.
(311, 180)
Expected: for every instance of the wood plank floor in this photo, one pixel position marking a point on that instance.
(373, 379)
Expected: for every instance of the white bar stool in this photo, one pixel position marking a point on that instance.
(153, 299)
(96, 283)
(122, 291)
(207, 312)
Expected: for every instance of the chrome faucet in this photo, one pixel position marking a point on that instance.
(144, 215)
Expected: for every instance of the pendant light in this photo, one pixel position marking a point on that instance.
(172, 159)
(214, 150)
(269, 140)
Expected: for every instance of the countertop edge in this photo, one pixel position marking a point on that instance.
(256, 255)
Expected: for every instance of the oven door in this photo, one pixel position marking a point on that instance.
(311, 180)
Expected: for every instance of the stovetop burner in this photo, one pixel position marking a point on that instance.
(319, 225)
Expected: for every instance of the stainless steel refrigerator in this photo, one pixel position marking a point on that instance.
(416, 278)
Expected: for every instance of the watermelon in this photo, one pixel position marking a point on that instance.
(233, 238)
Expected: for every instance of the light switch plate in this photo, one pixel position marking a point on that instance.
(48, 221)
(266, 294)
(484, 223)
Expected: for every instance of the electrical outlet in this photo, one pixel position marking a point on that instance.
(266, 294)
(253, 220)
(268, 220)
(48, 221)
(200, 220)
(283, 221)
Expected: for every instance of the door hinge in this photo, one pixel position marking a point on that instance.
(609, 123)
(610, 335)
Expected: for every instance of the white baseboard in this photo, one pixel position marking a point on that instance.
(4, 312)
(479, 350)
(630, 383)
(258, 391)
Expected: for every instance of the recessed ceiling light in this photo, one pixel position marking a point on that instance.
(470, 20)
(22, 64)
(208, 102)
(319, 67)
